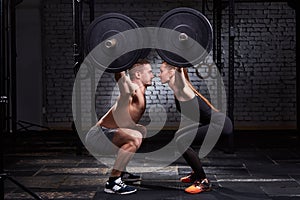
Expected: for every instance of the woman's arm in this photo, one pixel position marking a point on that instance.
(179, 78)
(182, 91)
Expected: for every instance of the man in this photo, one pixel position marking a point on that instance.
(120, 123)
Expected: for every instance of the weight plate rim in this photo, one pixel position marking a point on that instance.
(182, 9)
(101, 18)
(105, 16)
(196, 13)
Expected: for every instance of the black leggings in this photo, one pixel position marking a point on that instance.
(196, 133)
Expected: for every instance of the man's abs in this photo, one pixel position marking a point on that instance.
(118, 119)
(124, 114)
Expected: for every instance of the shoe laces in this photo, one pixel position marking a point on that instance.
(205, 181)
(203, 184)
(197, 183)
(121, 183)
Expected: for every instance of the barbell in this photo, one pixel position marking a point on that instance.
(189, 26)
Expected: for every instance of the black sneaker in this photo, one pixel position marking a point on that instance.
(128, 177)
(118, 187)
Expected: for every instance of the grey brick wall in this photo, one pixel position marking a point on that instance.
(265, 87)
(265, 73)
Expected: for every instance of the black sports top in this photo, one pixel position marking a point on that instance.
(190, 109)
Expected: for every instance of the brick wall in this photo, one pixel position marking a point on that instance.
(58, 61)
(265, 86)
(265, 77)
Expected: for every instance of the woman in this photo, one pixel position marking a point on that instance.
(187, 99)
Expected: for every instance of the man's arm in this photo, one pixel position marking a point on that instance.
(126, 87)
(118, 75)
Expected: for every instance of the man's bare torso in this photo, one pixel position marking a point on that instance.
(124, 114)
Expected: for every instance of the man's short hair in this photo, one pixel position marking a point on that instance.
(140, 62)
(138, 66)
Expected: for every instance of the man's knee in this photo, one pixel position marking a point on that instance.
(135, 143)
(143, 130)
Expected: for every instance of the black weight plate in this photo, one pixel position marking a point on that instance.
(105, 27)
(195, 25)
(145, 38)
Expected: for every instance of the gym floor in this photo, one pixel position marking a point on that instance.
(263, 166)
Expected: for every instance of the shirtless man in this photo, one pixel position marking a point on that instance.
(120, 123)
